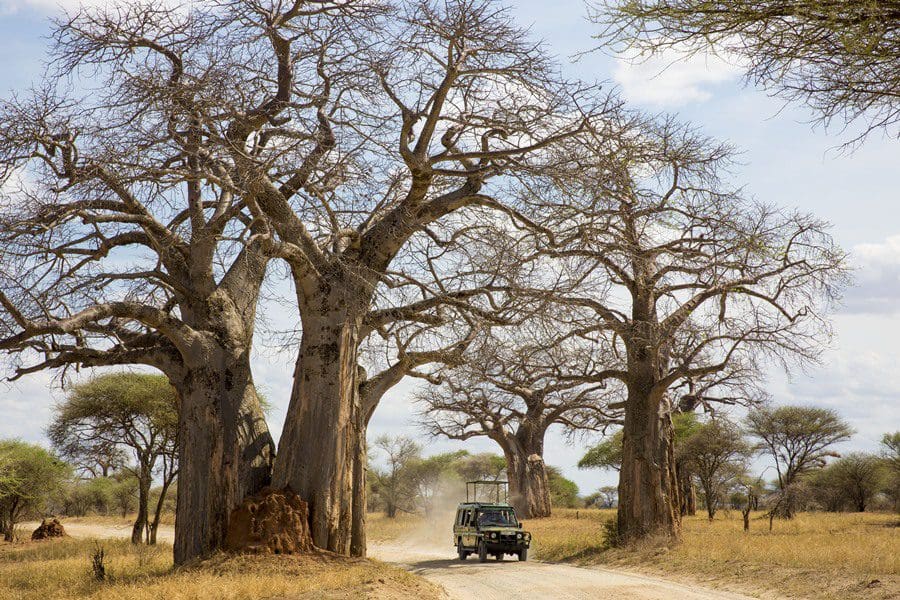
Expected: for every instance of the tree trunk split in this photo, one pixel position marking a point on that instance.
(145, 478)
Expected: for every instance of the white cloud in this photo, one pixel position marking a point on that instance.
(877, 286)
(672, 78)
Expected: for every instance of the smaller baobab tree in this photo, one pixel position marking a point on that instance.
(798, 439)
(686, 276)
(136, 413)
(512, 388)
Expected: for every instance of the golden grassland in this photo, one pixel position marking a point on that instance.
(62, 569)
(815, 555)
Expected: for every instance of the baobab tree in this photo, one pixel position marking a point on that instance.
(126, 236)
(512, 388)
(443, 101)
(840, 58)
(688, 276)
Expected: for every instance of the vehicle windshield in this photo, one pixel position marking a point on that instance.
(502, 518)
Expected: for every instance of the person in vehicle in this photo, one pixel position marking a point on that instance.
(496, 518)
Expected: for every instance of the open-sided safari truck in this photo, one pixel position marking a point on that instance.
(486, 525)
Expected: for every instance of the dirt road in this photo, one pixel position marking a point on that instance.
(513, 580)
(508, 580)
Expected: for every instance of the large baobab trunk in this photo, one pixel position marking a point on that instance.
(225, 454)
(529, 487)
(321, 440)
(648, 486)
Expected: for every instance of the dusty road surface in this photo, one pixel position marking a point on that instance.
(507, 580)
(513, 580)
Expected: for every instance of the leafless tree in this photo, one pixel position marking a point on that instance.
(513, 386)
(842, 57)
(126, 237)
(447, 105)
(687, 276)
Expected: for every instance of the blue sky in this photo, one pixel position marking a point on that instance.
(784, 160)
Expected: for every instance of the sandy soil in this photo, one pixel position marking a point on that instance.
(507, 580)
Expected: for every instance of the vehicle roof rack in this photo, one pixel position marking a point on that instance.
(489, 494)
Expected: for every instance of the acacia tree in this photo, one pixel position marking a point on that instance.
(512, 388)
(798, 439)
(854, 479)
(841, 58)
(890, 452)
(688, 276)
(29, 475)
(136, 412)
(395, 484)
(714, 452)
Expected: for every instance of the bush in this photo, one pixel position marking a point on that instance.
(563, 492)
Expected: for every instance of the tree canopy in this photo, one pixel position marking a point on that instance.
(134, 413)
(840, 57)
(29, 475)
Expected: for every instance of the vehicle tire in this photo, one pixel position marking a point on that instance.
(523, 554)
(482, 552)
(460, 549)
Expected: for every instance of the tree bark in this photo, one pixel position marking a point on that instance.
(225, 453)
(141, 521)
(360, 465)
(157, 513)
(321, 441)
(9, 523)
(711, 504)
(529, 487)
(648, 498)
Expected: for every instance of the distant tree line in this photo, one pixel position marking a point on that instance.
(799, 442)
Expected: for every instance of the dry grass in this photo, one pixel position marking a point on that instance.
(379, 528)
(815, 555)
(61, 569)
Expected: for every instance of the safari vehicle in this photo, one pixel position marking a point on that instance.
(488, 526)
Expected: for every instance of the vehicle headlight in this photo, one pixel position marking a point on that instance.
(494, 535)
(520, 536)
